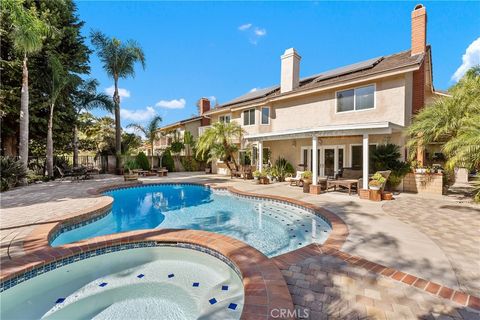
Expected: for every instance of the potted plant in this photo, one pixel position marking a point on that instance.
(128, 175)
(307, 181)
(377, 182)
(256, 176)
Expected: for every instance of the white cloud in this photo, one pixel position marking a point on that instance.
(260, 32)
(253, 90)
(245, 26)
(138, 115)
(470, 59)
(212, 99)
(171, 104)
(123, 93)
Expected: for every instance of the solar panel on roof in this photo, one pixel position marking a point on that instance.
(252, 95)
(367, 64)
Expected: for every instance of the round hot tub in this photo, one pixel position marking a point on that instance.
(129, 281)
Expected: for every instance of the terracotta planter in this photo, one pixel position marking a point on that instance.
(306, 186)
(130, 177)
(387, 196)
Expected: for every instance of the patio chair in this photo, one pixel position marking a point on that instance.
(297, 180)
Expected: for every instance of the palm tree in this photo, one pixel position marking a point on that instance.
(452, 120)
(85, 99)
(118, 61)
(28, 34)
(150, 132)
(188, 142)
(59, 81)
(219, 142)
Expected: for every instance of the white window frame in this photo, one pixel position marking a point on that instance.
(350, 151)
(225, 115)
(254, 117)
(261, 115)
(354, 99)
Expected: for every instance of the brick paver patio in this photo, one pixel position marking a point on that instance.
(435, 239)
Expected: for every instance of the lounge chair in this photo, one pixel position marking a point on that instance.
(297, 180)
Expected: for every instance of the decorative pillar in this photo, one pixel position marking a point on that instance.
(365, 161)
(314, 160)
(260, 155)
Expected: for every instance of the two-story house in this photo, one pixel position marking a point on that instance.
(167, 134)
(330, 120)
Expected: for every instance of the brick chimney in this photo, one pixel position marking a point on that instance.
(290, 70)
(204, 105)
(419, 30)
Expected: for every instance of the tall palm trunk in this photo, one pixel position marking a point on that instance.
(23, 143)
(118, 132)
(50, 143)
(151, 165)
(75, 146)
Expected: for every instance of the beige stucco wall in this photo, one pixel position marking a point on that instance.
(392, 103)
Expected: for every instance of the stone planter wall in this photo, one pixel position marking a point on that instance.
(423, 183)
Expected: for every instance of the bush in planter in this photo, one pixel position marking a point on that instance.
(130, 165)
(142, 161)
(377, 181)
(11, 172)
(399, 170)
(307, 176)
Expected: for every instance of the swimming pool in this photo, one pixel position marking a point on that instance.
(271, 227)
(165, 282)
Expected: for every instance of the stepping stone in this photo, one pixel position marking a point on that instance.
(232, 306)
(212, 301)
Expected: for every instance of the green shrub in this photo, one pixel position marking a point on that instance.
(190, 164)
(11, 172)
(167, 161)
(130, 165)
(142, 161)
(282, 169)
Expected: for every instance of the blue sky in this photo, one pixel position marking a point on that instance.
(225, 49)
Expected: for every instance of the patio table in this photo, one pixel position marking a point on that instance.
(347, 183)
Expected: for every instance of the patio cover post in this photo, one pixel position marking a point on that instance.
(314, 160)
(365, 161)
(260, 155)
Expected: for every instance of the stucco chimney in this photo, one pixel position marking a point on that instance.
(290, 70)
(204, 105)
(419, 29)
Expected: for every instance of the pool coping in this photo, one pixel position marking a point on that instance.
(265, 288)
(39, 238)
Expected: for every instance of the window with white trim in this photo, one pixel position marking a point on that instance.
(249, 117)
(225, 119)
(356, 99)
(265, 115)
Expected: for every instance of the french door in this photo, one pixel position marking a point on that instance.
(330, 159)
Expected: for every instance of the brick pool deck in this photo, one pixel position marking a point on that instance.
(402, 259)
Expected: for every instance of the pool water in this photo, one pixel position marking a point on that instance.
(140, 283)
(271, 227)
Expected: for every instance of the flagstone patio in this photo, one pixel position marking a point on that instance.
(436, 239)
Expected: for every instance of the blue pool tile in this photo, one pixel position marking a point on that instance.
(60, 300)
(196, 284)
(232, 306)
(171, 275)
(140, 276)
(103, 284)
(224, 288)
(212, 301)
